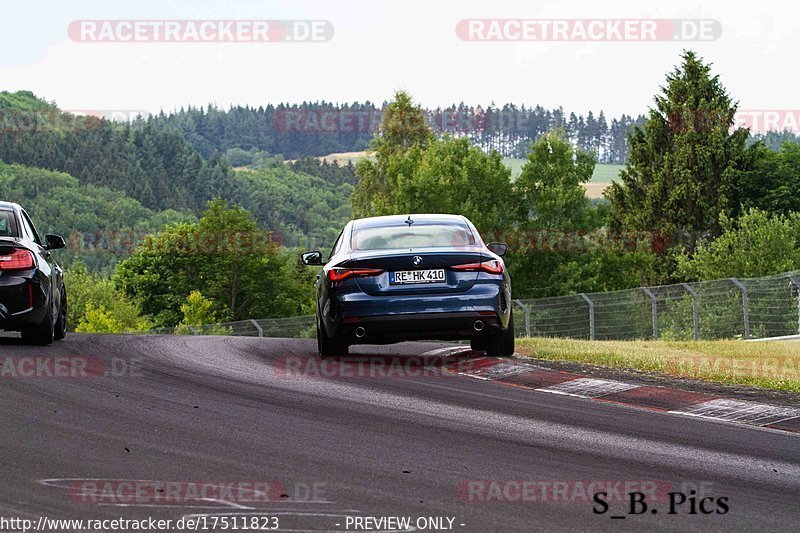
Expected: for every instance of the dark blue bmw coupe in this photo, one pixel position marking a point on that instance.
(409, 277)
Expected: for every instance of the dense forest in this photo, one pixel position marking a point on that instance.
(321, 128)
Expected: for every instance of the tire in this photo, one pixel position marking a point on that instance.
(478, 344)
(507, 349)
(61, 322)
(328, 347)
(42, 334)
(502, 344)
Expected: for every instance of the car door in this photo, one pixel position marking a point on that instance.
(52, 275)
(322, 286)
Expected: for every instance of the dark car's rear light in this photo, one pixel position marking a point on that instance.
(339, 274)
(491, 267)
(18, 260)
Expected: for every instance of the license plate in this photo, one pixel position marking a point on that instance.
(416, 276)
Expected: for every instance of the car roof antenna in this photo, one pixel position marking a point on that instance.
(409, 221)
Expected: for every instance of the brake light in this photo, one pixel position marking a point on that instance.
(490, 267)
(18, 260)
(340, 274)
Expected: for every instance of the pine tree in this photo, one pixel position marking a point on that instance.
(684, 162)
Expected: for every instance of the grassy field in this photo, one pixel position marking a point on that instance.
(602, 173)
(606, 173)
(771, 365)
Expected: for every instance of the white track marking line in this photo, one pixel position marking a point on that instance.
(588, 387)
(447, 350)
(739, 411)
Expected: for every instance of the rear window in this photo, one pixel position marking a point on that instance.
(416, 236)
(8, 226)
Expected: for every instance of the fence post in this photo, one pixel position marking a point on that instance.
(745, 307)
(527, 316)
(194, 331)
(654, 300)
(591, 315)
(258, 328)
(794, 281)
(695, 313)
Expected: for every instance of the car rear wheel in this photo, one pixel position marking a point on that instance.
(502, 344)
(61, 323)
(42, 334)
(478, 344)
(328, 347)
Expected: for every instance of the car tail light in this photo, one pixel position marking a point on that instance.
(18, 260)
(490, 267)
(340, 274)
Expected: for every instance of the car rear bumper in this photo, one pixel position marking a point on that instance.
(395, 328)
(476, 312)
(21, 302)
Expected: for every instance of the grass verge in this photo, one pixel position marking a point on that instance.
(769, 365)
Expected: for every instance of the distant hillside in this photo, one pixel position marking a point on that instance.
(153, 164)
(89, 217)
(307, 210)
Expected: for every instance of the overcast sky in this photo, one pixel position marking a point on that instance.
(380, 46)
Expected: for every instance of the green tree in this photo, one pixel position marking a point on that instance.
(756, 244)
(402, 129)
(414, 172)
(550, 185)
(226, 256)
(452, 176)
(684, 163)
(98, 320)
(94, 302)
(774, 183)
(198, 311)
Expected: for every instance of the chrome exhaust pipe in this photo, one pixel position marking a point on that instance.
(478, 325)
(360, 332)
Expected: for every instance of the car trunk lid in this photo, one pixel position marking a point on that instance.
(415, 260)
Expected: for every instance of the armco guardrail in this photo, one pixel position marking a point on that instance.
(720, 309)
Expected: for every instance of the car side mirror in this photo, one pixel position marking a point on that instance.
(54, 242)
(312, 258)
(497, 248)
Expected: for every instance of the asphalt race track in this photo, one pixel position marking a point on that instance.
(192, 409)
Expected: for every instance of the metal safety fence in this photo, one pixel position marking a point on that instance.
(721, 309)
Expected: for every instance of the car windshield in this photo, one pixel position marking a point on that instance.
(416, 236)
(7, 226)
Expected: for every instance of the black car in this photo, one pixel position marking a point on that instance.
(411, 277)
(33, 299)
